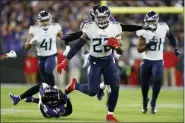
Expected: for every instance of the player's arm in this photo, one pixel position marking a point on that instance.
(141, 47)
(133, 28)
(80, 43)
(173, 42)
(68, 108)
(60, 34)
(76, 47)
(71, 37)
(4, 56)
(11, 54)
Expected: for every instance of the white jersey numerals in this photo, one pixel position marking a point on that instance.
(99, 45)
(157, 46)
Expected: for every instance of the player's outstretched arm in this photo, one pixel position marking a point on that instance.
(133, 28)
(29, 41)
(173, 42)
(76, 47)
(71, 37)
(68, 108)
(11, 54)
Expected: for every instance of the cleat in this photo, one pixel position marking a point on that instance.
(145, 107)
(15, 99)
(100, 94)
(29, 99)
(111, 118)
(71, 86)
(153, 110)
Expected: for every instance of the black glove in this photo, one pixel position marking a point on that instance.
(150, 44)
(176, 51)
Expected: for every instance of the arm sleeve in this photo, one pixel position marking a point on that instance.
(68, 108)
(172, 39)
(76, 47)
(71, 37)
(131, 28)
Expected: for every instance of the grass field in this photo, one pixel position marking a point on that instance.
(89, 109)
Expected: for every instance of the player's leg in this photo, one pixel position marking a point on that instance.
(157, 72)
(92, 87)
(145, 75)
(112, 78)
(100, 93)
(28, 93)
(49, 67)
(33, 90)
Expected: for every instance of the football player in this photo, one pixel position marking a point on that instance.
(151, 44)
(52, 102)
(44, 36)
(102, 40)
(11, 54)
(73, 36)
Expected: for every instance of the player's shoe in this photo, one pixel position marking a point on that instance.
(71, 86)
(153, 110)
(111, 118)
(100, 94)
(29, 99)
(15, 99)
(145, 107)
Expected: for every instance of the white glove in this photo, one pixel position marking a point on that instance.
(117, 56)
(11, 54)
(85, 60)
(66, 50)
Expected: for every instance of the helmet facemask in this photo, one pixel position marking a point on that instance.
(102, 20)
(151, 20)
(44, 20)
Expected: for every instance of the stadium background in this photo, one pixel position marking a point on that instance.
(17, 17)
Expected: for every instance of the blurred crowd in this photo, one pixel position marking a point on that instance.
(18, 16)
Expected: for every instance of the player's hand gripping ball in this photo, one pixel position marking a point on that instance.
(113, 42)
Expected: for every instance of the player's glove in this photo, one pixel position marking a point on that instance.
(62, 66)
(113, 42)
(150, 44)
(176, 51)
(86, 56)
(11, 54)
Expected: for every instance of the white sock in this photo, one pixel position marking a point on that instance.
(102, 85)
(110, 113)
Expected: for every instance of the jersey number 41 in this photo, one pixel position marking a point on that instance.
(46, 45)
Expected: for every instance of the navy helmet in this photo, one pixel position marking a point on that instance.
(92, 12)
(102, 15)
(50, 95)
(44, 19)
(151, 19)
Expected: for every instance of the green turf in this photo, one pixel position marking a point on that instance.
(89, 109)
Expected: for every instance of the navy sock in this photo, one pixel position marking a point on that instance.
(156, 89)
(30, 92)
(112, 99)
(145, 89)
